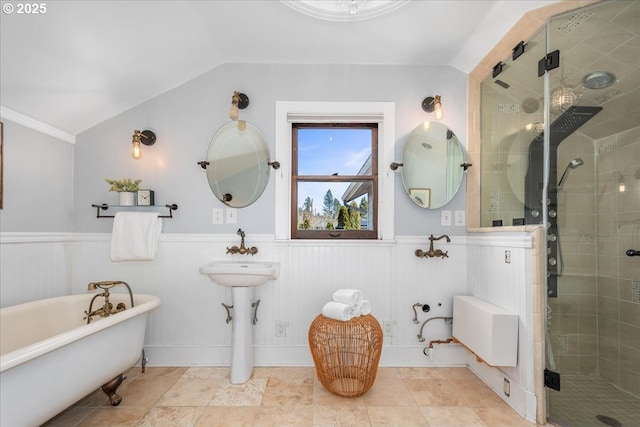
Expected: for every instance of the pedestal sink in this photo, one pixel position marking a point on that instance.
(242, 277)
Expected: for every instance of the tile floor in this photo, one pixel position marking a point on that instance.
(582, 398)
(203, 396)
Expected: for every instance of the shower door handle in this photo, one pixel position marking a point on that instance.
(633, 252)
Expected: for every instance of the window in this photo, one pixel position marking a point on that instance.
(290, 113)
(334, 180)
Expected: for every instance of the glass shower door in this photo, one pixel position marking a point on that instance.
(594, 323)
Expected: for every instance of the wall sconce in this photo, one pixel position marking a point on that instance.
(433, 104)
(238, 101)
(145, 137)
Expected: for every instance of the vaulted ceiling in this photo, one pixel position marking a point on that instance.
(82, 62)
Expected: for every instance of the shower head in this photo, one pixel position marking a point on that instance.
(572, 165)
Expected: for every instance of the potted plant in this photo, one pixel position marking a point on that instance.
(126, 189)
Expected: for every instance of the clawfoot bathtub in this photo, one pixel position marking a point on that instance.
(51, 358)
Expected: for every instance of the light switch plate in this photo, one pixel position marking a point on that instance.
(232, 216)
(460, 218)
(445, 218)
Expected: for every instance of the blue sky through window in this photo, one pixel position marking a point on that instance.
(327, 151)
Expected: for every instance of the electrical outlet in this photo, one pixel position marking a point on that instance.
(507, 257)
(388, 328)
(217, 217)
(445, 218)
(281, 329)
(460, 218)
(232, 216)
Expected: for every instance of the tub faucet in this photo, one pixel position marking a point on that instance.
(242, 250)
(107, 307)
(431, 253)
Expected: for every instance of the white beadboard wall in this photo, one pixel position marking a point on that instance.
(189, 327)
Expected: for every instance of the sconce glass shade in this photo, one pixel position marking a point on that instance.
(136, 152)
(145, 137)
(433, 104)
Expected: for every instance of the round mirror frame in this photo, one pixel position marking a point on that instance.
(432, 165)
(238, 169)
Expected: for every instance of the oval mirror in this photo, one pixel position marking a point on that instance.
(432, 170)
(238, 169)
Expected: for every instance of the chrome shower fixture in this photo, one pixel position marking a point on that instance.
(572, 165)
(598, 80)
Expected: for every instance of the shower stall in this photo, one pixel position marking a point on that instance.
(560, 135)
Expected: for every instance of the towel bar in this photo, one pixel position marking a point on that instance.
(172, 207)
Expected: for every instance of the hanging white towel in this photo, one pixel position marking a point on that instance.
(135, 236)
(352, 297)
(338, 311)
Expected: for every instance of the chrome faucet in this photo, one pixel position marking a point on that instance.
(433, 253)
(242, 250)
(107, 308)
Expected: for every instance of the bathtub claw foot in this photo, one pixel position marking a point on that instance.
(111, 387)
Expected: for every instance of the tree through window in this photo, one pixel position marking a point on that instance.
(334, 180)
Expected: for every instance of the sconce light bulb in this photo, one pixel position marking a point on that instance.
(621, 187)
(136, 152)
(233, 114)
(438, 110)
(426, 125)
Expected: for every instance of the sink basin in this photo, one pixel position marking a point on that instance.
(241, 273)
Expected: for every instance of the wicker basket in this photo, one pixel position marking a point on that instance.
(346, 354)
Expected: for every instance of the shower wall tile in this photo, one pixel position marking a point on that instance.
(608, 307)
(630, 381)
(630, 313)
(588, 325)
(629, 358)
(630, 335)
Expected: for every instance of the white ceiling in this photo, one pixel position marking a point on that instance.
(83, 62)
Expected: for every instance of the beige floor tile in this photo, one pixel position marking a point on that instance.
(475, 393)
(168, 416)
(293, 372)
(451, 416)
(145, 392)
(247, 394)
(388, 392)
(501, 417)
(162, 372)
(400, 416)
(428, 392)
(228, 416)
(284, 416)
(340, 416)
(206, 372)
(323, 397)
(69, 417)
(114, 417)
(190, 392)
(288, 391)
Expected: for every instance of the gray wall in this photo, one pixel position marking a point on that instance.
(186, 118)
(38, 187)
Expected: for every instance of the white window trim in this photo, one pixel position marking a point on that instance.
(288, 112)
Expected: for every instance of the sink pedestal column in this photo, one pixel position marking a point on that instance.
(242, 335)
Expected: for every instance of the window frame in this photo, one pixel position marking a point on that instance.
(369, 233)
(288, 112)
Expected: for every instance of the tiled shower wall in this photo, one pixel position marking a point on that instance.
(595, 321)
(618, 279)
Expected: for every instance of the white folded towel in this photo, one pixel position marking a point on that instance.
(338, 311)
(352, 297)
(135, 236)
(365, 308)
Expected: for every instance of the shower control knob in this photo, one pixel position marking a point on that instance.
(535, 213)
(553, 213)
(633, 252)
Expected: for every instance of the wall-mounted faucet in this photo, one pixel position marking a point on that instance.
(431, 253)
(107, 308)
(242, 250)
